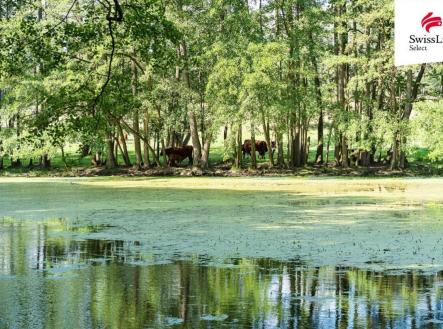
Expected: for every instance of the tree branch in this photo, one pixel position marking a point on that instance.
(136, 62)
(110, 19)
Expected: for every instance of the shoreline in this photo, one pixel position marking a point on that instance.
(307, 171)
(419, 189)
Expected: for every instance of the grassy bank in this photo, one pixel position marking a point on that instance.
(73, 165)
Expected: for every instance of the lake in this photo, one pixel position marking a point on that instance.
(221, 253)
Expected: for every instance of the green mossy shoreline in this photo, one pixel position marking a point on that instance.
(316, 171)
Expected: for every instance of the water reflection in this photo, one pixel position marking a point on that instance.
(48, 280)
(395, 229)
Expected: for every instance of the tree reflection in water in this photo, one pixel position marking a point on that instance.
(50, 280)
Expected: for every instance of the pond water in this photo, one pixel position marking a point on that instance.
(223, 253)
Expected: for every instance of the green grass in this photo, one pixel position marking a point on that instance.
(417, 157)
(418, 154)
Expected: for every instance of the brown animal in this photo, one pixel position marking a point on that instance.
(177, 154)
(260, 146)
(246, 147)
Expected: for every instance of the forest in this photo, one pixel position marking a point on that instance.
(156, 83)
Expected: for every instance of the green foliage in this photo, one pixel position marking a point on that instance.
(429, 127)
(68, 75)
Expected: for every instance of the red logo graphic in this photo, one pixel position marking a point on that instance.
(429, 22)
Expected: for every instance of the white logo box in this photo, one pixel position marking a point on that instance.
(413, 43)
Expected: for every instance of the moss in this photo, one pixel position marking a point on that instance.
(371, 222)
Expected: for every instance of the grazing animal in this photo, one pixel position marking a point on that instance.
(246, 147)
(177, 154)
(260, 146)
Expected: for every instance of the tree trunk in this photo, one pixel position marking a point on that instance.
(297, 146)
(319, 153)
(205, 152)
(253, 151)
(280, 156)
(157, 147)
(337, 150)
(116, 148)
(146, 160)
(344, 153)
(290, 143)
(402, 161)
(193, 126)
(165, 160)
(395, 155)
(317, 84)
(238, 152)
(186, 139)
(124, 146)
(341, 79)
(136, 119)
(96, 160)
(411, 96)
(62, 149)
(328, 143)
(131, 129)
(406, 115)
(308, 142)
(110, 161)
(46, 163)
(268, 139)
(194, 137)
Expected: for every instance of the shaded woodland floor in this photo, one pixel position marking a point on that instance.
(74, 166)
(225, 170)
